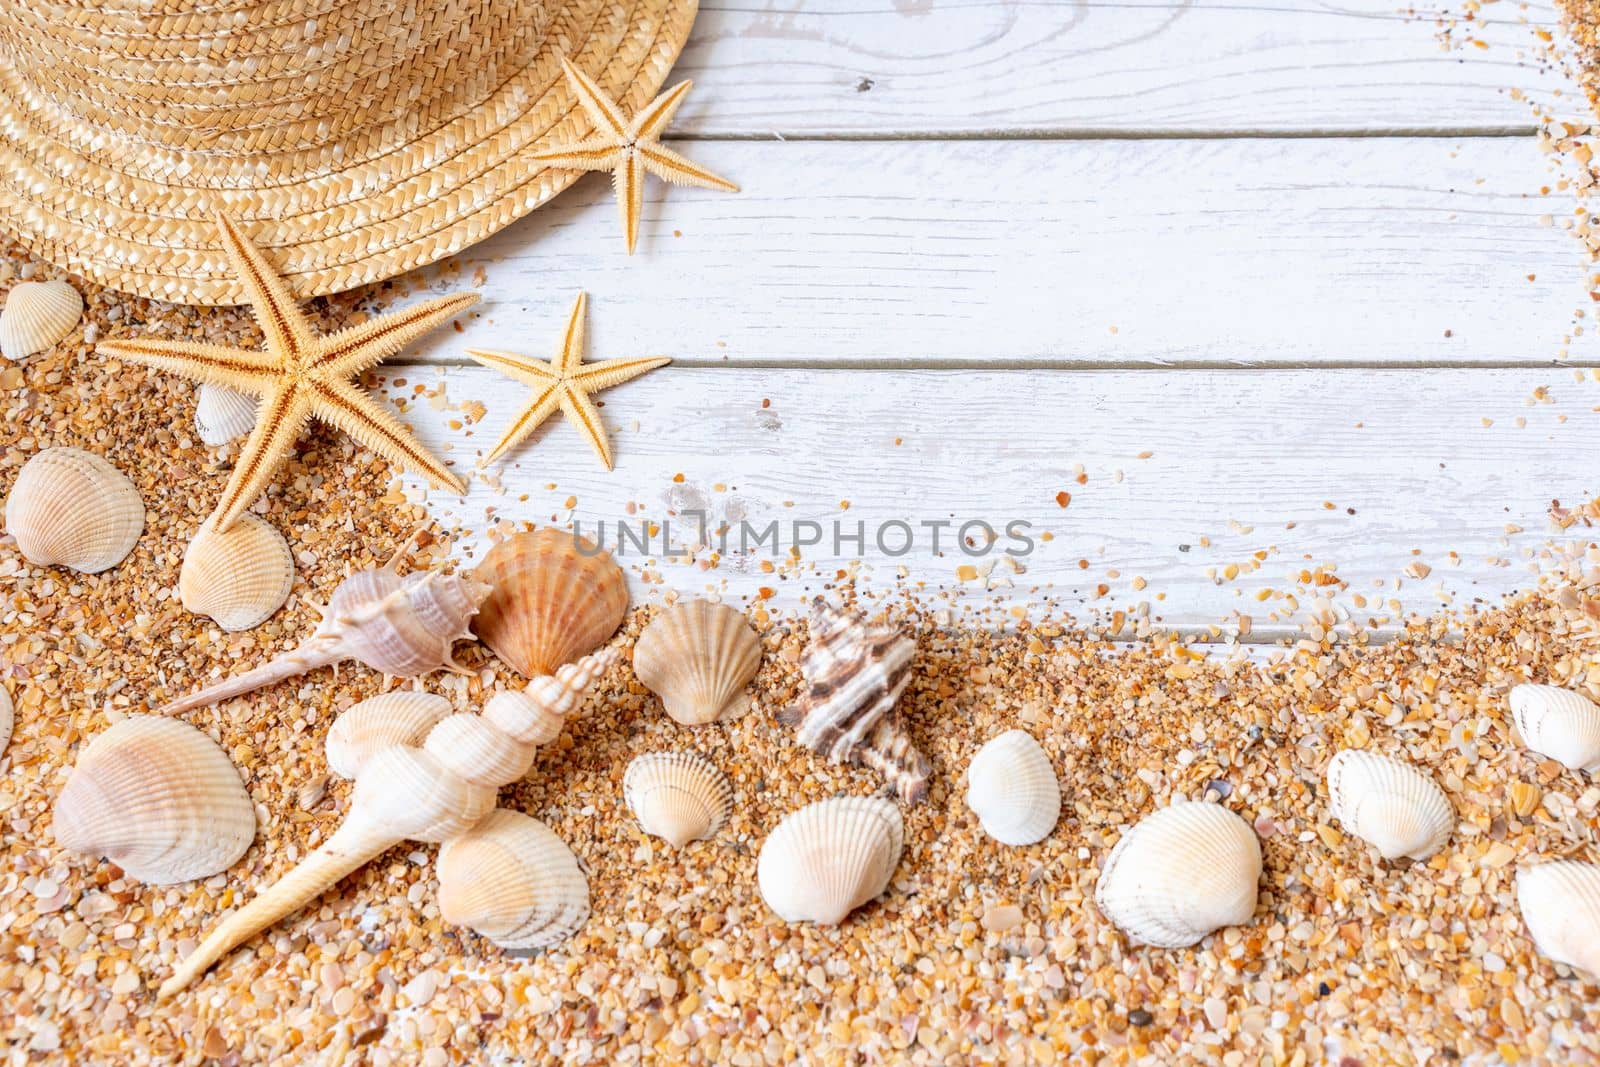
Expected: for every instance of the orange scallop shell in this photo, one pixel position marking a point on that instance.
(556, 598)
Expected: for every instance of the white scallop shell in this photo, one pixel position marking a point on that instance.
(827, 859)
(37, 315)
(1012, 789)
(1390, 804)
(403, 717)
(1559, 723)
(698, 657)
(239, 576)
(514, 881)
(222, 414)
(8, 720)
(1181, 873)
(677, 796)
(1560, 903)
(72, 508)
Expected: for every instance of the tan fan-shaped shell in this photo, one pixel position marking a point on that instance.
(1390, 804)
(8, 720)
(159, 799)
(678, 796)
(1560, 903)
(514, 881)
(222, 414)
(72, 508)
(1181, 873)
(829, 858)
(238, 576)
(1558, 723)
(399, 718)
(36, 316)
(1012, 789)
(551, 603)
(698, 657)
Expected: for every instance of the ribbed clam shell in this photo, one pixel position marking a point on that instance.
(678, 796)
(36, 316)
(698, 657)
(72, 508)
(551, 603)
(514, 881)
(8, 720)
(1560, 903)
(1012, 789)
(1181, 873)
(829, 858)
(222, 414)
(1389, 804)
(238, 576)
(1559, 723)
(399, 718)
(159, 799)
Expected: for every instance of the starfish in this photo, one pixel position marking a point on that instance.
(564, 383)
(628, 149)
(299, 376)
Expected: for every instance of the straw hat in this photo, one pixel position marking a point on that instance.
(355, 138)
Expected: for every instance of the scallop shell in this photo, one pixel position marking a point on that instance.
(827, 859)
(1390, 804)
(514, 881)
(399, 718)
(555, 599)
(159, 799)
(1560, 903)
(1559, 723)
(1181, 873)
(678, 796)
(239, 576)
(74, 509)
(698, 657)
(37, 315)
(222, 414)
(1012, 789)
(8, 720)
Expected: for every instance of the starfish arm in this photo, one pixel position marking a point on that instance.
(545, 402)
(601, 108)
(236, 368)
(657, 114)
(351, 351)
(345, 405)
(534, 372)
(569, 357)
(577, 406)
(286, 329)
(597, 153)
(668, 165)
(281, 416)
(598, 376)
(628, 179)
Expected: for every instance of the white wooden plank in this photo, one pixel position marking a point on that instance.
(1088, 252)
(1367, 472)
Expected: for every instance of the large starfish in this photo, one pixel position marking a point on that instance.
(564, 383)
(628, 149)
(299, 376)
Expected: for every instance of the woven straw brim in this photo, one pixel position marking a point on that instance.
(141, 219)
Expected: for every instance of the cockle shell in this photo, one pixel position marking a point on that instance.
(398, 718)
(555, 599)
(222, 414)
(238, 576)
(74, 509)
(37, 315)
(829, 858)
(678, 796)
(159, 799)
(1559, 723)
(1390, 804)
(698, 657)
(1560, 903)
(514, 881)
(1012, 789)
(1181, 873)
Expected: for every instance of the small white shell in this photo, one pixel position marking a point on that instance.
(1559, 723)
(514, 881)
(400, 718)
(698, 657)
(678, 796)
(1390, 804)
(72, 508)
(1012, 789)
(222, 414)
(1560, 903)
(827, 859)
(1181, 873)
(238, 576)
(37, 315)
(8, 720)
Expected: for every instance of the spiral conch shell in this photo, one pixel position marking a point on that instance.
(555, 598)
(677, 796)
(829, 858)
(514, 881)
(1181, 873)
(239, 576)
(698, 657)
(1559, 723)
(1013, 789)
(1560, 903)
(1390, 804)
(399, 718)
(159, 799)
(72, 508)
(37, 315)
(222, 414)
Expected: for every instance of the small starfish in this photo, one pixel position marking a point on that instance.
(628, 149)
(299, 376)
(564, 383)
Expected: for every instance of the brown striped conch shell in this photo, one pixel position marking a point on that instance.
(1559, 723)
(677, 796)
(511, 879)
(1560, 903)
(829, 858)
(698, 657)
(399, 718)
(72, 508)
(1389, 804)
(554, 598)
(36, 316)
(1012, 789)
(222, 414)
(239, 576)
